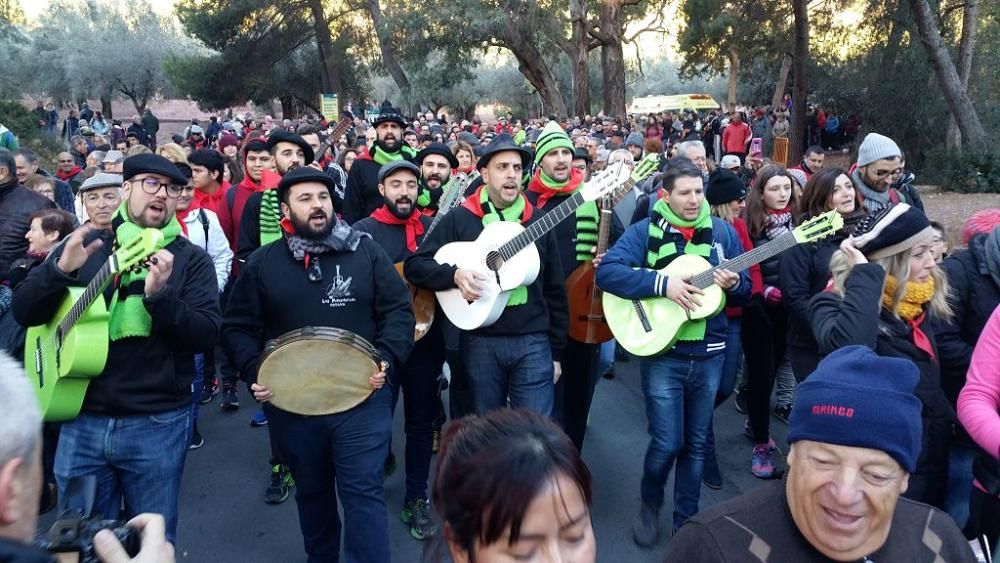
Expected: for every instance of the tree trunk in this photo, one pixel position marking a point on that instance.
(385, 46)
(897, 26)
(286, 106)
(579, 53)
(613, 58)
(801, 63)
(734, 73)
(779, 88)
(531, 64)
(967, 46)
(106, 108)
(329, 74)
(948, 80)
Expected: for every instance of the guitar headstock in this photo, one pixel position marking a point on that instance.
(645, 168)
(819, 227)
(604, 181)
(136, 250)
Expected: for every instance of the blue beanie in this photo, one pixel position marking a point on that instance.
(859, 399)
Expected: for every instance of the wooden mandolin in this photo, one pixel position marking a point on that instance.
(423, 305)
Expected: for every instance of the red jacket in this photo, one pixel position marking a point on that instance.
(735, 137)
(756, 280)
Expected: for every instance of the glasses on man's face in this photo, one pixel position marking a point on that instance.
(66, 161)
(884, 173)
(152, 187)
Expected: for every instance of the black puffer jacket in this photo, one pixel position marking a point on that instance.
(770, 269)
(805, 271)
(859, 318)
(17, 203)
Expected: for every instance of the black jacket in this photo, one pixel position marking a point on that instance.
(805, 271)
(859, 318)
(770, 269)
(361, 196)
(973, 297)
(248, 239)
(17, 203)
(142, 375)
(14, 552)
(546, 310)
(360, 292)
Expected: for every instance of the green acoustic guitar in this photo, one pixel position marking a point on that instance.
(648, 327)
(62, 356)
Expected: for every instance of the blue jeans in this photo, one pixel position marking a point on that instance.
(341, 454)
(960, 477)
(140, 458)
(518, 367)
(606, 358)
(733, 359)
(680, 400)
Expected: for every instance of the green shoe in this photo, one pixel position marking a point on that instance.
(417, 515)
(281, 482)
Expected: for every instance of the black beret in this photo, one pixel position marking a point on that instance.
(152, 164)
(583, 154)
(723, 187)
(439, 149)
(390, 168)
(301, 175)
(281, 136)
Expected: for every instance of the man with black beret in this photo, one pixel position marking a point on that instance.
(436, 162)
(323, 273)
(362, 196)
(161, 314)
(582, 162)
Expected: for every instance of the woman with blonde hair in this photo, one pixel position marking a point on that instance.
(172, 152)
(887, 293)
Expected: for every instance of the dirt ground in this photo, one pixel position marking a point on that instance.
(952, 209)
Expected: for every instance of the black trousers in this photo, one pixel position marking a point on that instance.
(418, 380)
(763, 336)
(574, 392)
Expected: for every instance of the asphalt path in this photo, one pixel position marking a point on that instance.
(223, 517)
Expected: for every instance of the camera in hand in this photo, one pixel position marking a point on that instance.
(74, 530)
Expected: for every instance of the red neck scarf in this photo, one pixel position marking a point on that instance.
(182, 215)
(414, 227)
(545, 193)
(65, 176)
(480, 208)
(466, 170)
(920, 339)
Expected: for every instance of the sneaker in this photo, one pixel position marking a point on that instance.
(747, 430)
(230, 400)
(417, 514)
(610, 374)
(196, 440)
(258, 419)
(646, 527)
(712, 476)
(209, 390)
(761, 464)
(781, 412)
(740, 402)
(435, 441)
(281, 482)
(390, 465)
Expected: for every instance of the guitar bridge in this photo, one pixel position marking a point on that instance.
(38, 362)
(640, 311)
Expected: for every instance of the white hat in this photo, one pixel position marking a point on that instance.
(730, 161)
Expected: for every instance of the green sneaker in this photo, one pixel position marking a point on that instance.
(417, 515)
(281, 482)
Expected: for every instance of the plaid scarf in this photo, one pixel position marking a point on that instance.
(341, 239)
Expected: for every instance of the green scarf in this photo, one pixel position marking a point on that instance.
(515, 213)
(270, 217)
(425, 199)
(587, 215)
(129, 317)
(382, 157)
(661, 245)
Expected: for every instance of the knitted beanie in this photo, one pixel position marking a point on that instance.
(876, 147)
(634, 138)
(552, 137)
(723, 187)
(858, 399)
(227, 140)
(891, 230)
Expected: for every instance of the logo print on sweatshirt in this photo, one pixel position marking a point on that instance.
(338, 294)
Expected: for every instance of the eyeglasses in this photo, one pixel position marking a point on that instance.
(152, 186)
(884, 173)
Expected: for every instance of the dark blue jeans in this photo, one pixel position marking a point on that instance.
(730, 367)
(680, 399)
(515, 367)
(421, 404)
(575, 391)
(138, 458)
(339, 454)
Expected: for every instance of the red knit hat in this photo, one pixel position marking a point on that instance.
(981, 222)
(227, 140)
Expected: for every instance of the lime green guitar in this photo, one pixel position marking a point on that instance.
(648, 327)
(62, 356)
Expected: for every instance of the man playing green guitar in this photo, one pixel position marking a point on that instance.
(679, 386)
(134, 428)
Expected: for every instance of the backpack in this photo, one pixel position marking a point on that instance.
(203, 219)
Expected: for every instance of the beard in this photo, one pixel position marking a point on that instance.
(291, 166)
(438, 182)
(306, 230)
(394, 207)
(391, 144)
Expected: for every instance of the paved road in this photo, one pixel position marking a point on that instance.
(223, 517)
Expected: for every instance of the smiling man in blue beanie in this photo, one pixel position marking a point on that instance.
(855, 434)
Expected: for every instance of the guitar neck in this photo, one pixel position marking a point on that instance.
(747, 259)
(606, 208)
(538, 229)
(447, 202)
(94, 290)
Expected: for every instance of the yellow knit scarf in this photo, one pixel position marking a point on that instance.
(912, 305)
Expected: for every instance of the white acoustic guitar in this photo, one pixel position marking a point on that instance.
(505, 254)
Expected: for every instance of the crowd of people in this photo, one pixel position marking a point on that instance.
(879, 346)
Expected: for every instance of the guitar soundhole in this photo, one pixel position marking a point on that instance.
(493, 260)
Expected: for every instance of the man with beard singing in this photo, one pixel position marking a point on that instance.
(362, 196)
(324, 273)
(435, 162)
(517, 357)
(398, 227)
